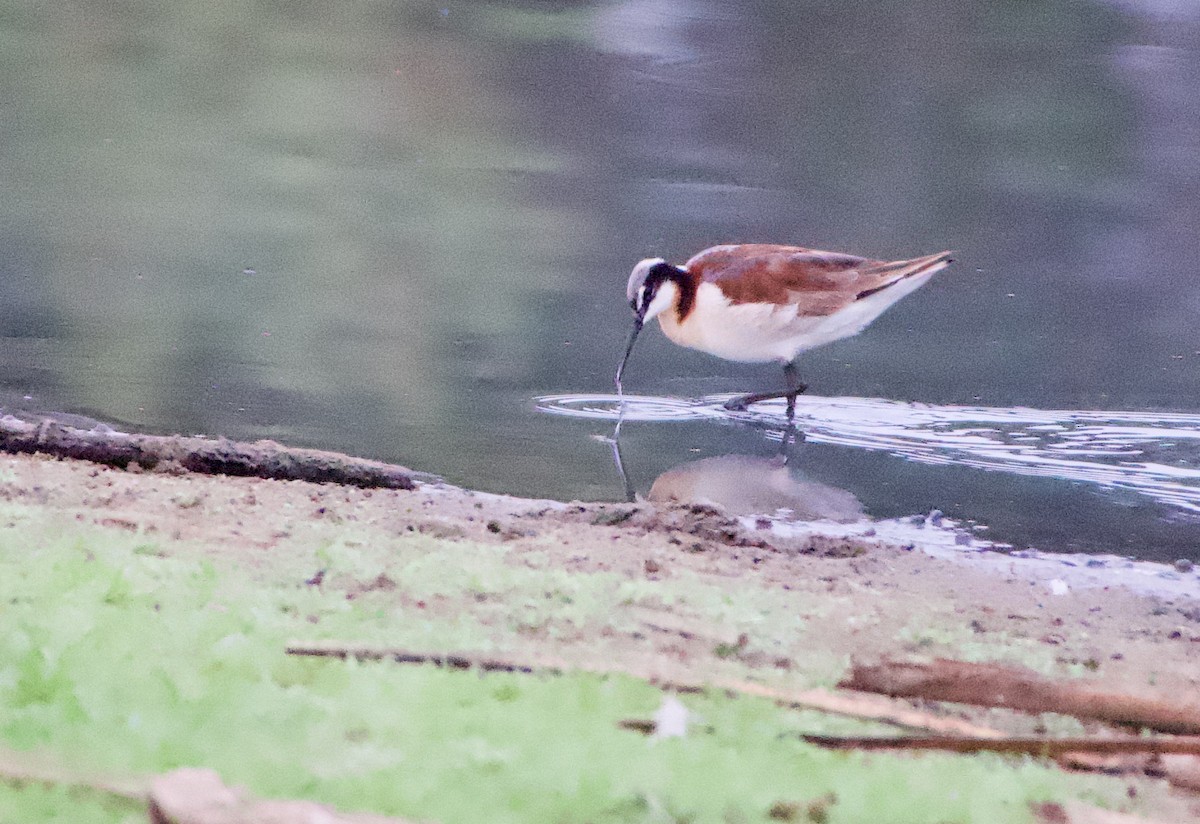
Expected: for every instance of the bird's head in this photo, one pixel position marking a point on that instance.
(653, 287)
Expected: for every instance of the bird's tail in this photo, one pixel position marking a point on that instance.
(928, 264)
(891, 273)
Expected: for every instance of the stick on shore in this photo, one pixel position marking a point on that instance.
(995, 685)
(862, 706)
(209, 456)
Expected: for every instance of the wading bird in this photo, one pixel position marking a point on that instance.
(760, 302)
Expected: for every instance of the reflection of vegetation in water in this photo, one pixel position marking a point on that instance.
(264, 190)
(440, 203)
(995, 129)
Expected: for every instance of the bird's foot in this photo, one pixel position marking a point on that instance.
(742, 402)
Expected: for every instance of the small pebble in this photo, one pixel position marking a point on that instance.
(1184, 565)
(671, 719)
(962, 539)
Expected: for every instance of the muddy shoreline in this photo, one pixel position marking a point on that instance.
(709, 595)
(1139, 616)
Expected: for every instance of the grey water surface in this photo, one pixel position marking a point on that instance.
(396, 228)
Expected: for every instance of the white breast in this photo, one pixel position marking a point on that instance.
(756, 333)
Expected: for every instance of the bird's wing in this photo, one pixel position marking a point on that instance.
(817, 283)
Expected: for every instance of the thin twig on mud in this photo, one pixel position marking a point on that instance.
(994, 685)
(404, 656)
(861, 706)
(220, 456)
(1028, 745)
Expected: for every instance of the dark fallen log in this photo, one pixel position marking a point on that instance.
(209, 456)
(994, 685)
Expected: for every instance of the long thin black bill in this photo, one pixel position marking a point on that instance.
(637, 327)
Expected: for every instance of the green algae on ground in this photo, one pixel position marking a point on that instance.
(118, 657)
(35, 802)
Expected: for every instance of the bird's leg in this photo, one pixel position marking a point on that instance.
(795, 387)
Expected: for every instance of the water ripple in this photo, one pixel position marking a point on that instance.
(1156, 454)
(630, 408)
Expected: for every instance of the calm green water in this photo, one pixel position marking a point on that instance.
(389, 227)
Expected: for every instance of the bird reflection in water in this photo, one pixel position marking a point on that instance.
(747, 485)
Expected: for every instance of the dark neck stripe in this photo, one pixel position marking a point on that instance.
(687, 296)
(685, 282)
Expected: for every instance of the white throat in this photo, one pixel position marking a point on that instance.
(666, 297)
